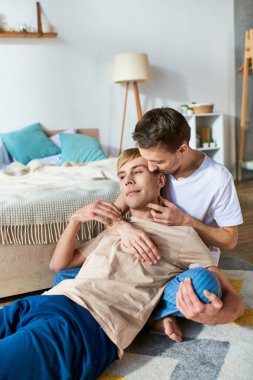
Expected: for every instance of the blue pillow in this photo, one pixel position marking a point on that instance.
(29, 143)
(80, 148)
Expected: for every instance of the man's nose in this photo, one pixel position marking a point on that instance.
(129, 179)
(152, 167)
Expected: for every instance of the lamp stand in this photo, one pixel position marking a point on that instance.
(137, 100)
(124, 118)
(138, 108)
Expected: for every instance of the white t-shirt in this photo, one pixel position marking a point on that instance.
(208, 195)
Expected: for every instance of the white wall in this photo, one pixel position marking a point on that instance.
(68, 81)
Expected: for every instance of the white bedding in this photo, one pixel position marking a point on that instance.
(36, 200)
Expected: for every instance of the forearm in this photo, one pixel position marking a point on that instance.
(232, 309)
(121, 204)
(117, 226)
(65, 254)
(65, 247)
(233, 306)
(222, 237)
(168, 213)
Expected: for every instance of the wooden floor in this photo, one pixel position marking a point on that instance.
(244, 249)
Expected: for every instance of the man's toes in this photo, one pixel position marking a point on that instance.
(172, 330)
(176, 337)
(168, 328)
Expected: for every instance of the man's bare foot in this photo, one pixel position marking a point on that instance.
(170, 327)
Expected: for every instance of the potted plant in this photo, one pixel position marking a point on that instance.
(212, 143)
(205, 144)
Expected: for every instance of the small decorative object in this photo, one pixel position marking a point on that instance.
(205, 134)
(47, 28)
(201, 108)
(9, 29)
(23, 28)
(212, 143)
(32, 29)
(3, 22)
(205, 144)
(198, 140)
(185, 110)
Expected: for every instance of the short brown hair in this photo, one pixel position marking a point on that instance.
(162, 126)
(127, 155)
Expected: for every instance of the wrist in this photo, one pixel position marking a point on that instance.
(119, 225)
(188, 221)
(75, 220)
(218, 318)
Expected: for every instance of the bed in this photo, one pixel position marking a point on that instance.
(36, 202)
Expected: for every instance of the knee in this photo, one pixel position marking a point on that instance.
(65, 274)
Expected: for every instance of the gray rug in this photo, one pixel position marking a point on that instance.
(206, 353)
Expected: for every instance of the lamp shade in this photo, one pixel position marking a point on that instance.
(131, 67)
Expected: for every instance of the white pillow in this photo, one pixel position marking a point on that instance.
(56, 159)
(5, 157)
(56, 138)
(50, 160)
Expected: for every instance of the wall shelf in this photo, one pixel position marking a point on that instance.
(214, 121)
(38, 34)
(206, 149)
(27, 35)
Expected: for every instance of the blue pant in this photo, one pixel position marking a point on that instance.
(52, 338)
(202, 279)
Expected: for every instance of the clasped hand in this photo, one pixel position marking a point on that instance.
(167, 213)
(102, 211)
(138, 243)
(189, 304)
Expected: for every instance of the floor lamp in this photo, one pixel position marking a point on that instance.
(131, 68)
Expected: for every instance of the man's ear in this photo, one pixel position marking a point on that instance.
(161, 180)
(183, 148)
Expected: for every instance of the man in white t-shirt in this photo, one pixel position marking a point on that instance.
(200, 193)
(209, 196)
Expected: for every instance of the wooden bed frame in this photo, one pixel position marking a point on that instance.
(25, 268)
(92, 132)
